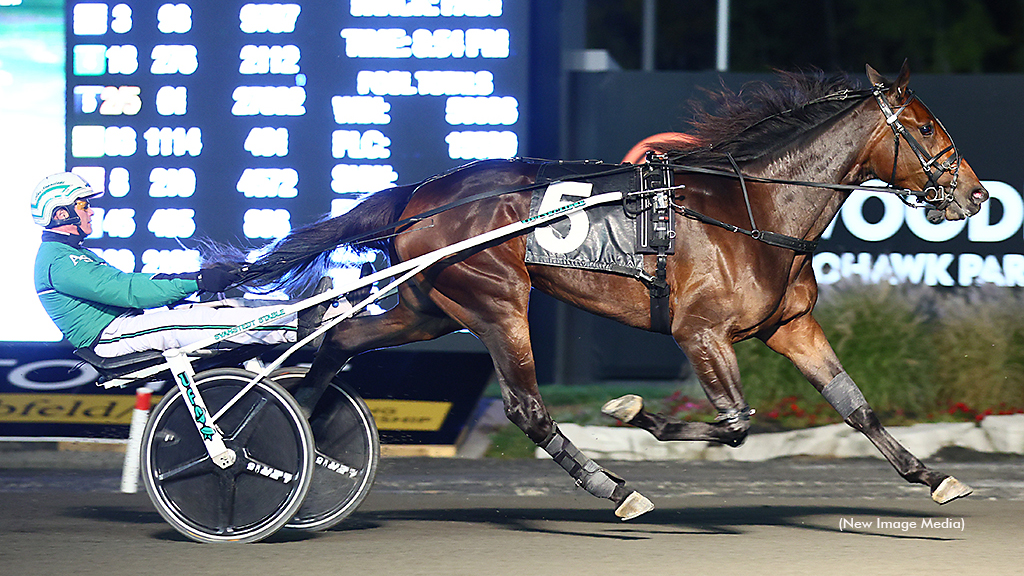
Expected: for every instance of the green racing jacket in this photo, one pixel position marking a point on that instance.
(83, 294)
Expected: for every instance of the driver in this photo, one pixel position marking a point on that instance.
(97, 306)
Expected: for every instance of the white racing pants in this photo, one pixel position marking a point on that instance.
(163, 328)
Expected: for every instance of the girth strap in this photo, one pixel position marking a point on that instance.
(656, 234)
(661, 320)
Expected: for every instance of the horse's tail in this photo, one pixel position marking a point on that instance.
(300, 258)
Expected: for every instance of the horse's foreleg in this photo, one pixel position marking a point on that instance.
(804, 343)
(714, 361)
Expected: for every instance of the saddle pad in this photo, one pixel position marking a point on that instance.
(600, 238)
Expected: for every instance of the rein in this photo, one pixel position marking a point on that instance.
(395, 228)
(404, 224)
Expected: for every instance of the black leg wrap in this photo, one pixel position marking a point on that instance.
(585, 471)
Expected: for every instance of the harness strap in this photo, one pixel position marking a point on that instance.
(655, 180)
(661, 320)
(743, 187)
(765, 236)
(404, 224)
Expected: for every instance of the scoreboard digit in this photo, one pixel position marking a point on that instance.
(238, 120)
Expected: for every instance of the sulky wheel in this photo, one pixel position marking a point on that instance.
(252, 498)
(347, 453)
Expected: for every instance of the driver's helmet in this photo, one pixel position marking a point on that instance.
(59, 191)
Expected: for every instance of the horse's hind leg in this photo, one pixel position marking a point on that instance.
(405, 322)
(715, 363)
(493, 305)
(804, 343)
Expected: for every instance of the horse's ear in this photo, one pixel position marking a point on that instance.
(898, 88)
(900, 85)
(874, 77)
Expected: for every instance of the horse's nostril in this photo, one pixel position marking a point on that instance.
(979, 195)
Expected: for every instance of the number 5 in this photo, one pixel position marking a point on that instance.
(579, 224)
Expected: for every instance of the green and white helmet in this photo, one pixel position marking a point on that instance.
(59, 191)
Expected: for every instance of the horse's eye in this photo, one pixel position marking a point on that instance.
(927, 130)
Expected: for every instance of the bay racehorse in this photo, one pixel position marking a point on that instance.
(785, 157)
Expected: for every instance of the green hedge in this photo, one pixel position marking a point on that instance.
(917, 354)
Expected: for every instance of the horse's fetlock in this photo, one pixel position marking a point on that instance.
(587, 473)
(735, 433)
(733, 425)
(620, 493)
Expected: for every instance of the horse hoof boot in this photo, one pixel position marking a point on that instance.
(950, 489)
(625, 408)
(634, 505)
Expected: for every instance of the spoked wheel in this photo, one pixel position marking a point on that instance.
(347, 453)
(252, 498)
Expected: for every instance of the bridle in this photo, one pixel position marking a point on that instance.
(935, 194)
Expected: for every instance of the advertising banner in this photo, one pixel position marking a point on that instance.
(418, 394)
(46, 392)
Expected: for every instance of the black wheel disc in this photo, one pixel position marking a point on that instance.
(260, 491)
(347, 454)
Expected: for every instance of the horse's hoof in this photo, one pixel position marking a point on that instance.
(625, 408)
(950, 489)
(634, 505)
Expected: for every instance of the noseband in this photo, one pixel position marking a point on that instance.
(935, 194)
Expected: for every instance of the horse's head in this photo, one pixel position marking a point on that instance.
(914, 151)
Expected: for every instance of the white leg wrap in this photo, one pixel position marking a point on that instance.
(844, 395)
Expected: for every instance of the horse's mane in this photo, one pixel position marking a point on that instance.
(763, 117)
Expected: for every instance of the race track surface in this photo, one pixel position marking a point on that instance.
(491, 517)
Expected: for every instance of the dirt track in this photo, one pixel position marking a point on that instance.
(494, 518)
